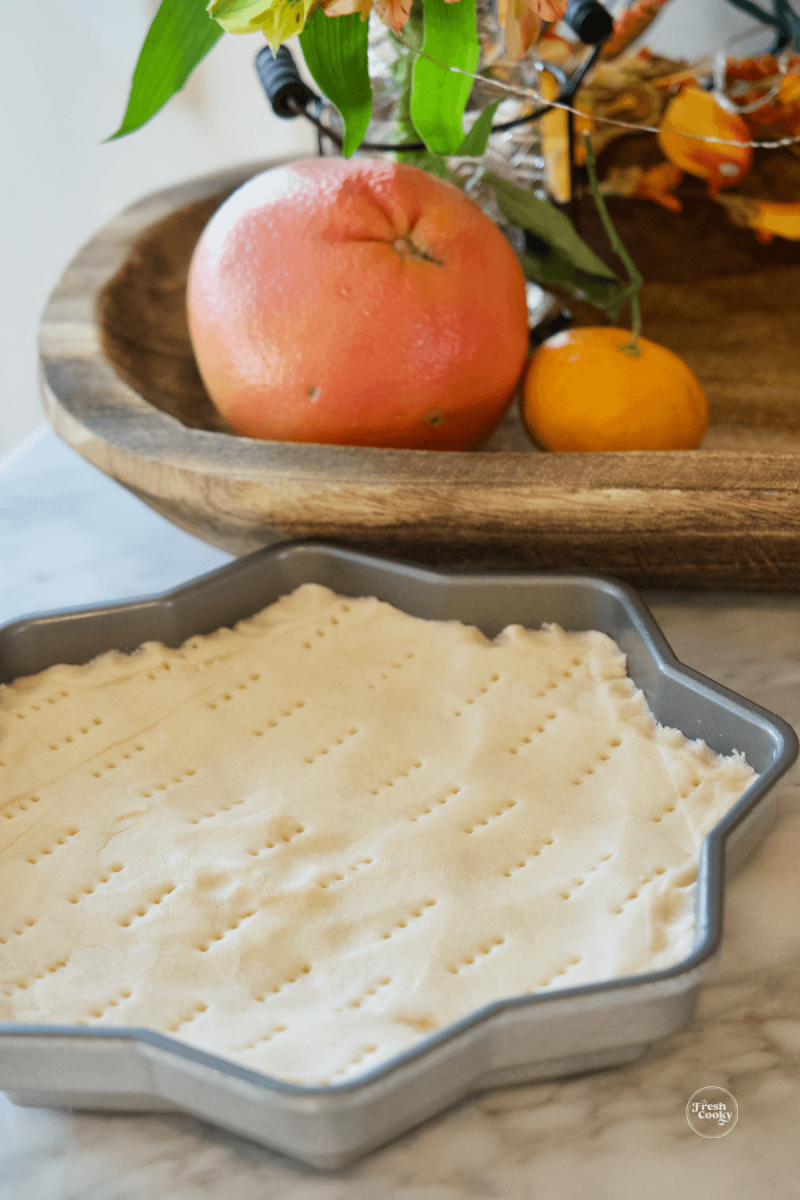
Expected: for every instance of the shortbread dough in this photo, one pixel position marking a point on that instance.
(308, 842)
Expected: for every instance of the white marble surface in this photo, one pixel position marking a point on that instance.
(70, 536)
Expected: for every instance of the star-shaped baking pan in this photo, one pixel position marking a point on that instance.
(510, 1041)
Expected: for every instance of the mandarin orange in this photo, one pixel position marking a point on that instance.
(361, 303)
(584, 391)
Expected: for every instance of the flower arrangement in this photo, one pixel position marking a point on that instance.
(333, 36)
(708, 117)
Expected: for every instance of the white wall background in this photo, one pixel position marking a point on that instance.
(63, 88)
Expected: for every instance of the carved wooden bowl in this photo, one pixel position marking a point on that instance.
(120, 386)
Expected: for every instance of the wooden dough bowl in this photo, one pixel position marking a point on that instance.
(121, 387)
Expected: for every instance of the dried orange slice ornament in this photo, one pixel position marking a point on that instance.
(694, 115)
(767, 218)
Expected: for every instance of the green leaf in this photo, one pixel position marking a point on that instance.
(434, 164)
(475, 143)
(553, 270)
(439, 94)
(564, 259)
(549, 225)
(425, 160)
(335, 50)
(181, 35)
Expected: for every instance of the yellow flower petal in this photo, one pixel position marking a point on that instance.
(282, 20)
(240, 16)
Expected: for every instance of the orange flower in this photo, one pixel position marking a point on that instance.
(344, 8)
(393, 13)
(523, 20)
(630, 25)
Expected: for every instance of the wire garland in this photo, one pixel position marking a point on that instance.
(531, 94)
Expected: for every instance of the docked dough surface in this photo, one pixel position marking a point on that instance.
(308, 842)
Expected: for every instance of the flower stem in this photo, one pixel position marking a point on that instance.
(634, 278)
(402, 70)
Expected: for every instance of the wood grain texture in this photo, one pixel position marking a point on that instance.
(121, 387)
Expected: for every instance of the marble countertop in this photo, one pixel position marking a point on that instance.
(69, 536)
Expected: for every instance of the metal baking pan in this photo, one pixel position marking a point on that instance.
(511, 1041)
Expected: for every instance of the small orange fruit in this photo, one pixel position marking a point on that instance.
(583, 391)
(360, 303)
(722, 163)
